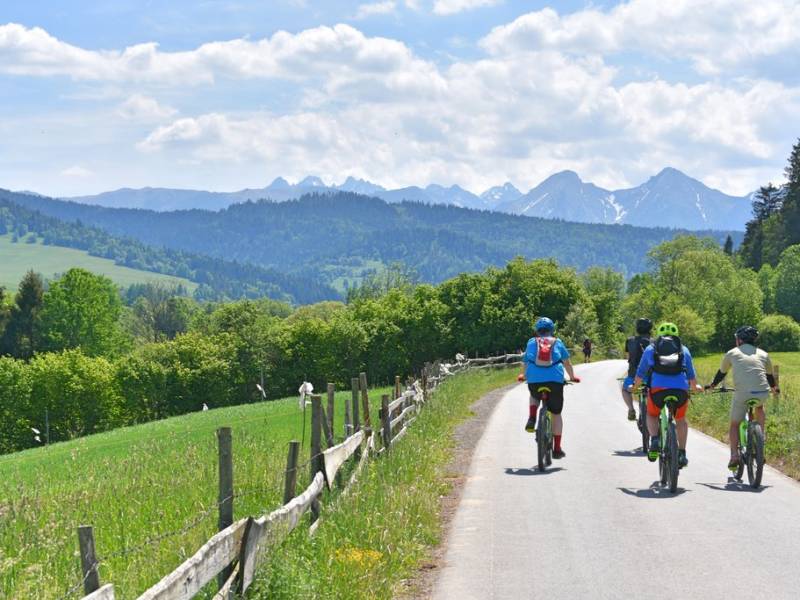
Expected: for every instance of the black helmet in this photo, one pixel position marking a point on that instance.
(644, 325)
(747, 334)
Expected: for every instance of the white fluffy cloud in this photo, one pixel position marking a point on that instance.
(77, 171)
(139, 107)
(375, 8)
(716, 35)
(547, 95)
(451, 7)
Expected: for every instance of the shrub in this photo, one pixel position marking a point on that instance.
(779, 333)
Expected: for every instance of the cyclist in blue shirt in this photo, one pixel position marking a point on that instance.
(667, 366)
(546, 358)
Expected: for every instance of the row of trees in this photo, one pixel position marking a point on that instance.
(88, 378)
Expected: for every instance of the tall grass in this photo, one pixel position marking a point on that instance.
(378, 536)
(710, 412)
(135, 484)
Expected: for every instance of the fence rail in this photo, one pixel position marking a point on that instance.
(234, 554)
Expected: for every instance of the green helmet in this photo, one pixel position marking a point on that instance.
(667, 329)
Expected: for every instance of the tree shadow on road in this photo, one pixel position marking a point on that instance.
(637, 452)
(734, 486)
(526, 471)
(656, 490)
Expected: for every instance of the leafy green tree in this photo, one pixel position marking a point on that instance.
(787, 283)
(779, 333)
(81, 310)
(606, 289)
(766, 281)
(579, 324)
(19, 337)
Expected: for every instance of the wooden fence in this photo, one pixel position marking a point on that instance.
(233, 555)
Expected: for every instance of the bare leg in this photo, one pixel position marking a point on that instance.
(652, 425)
(628, 398)
(683, 432)
(761, 417)
(558, 424)
(734, 439)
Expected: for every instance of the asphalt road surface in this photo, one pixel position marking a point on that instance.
(598, 525)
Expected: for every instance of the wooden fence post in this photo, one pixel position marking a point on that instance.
(326, 429)
(316, 447)
(425, 382)
(354, 387)
(362, 384)
(331, 407)
(348, 421)
(225, 496)
(387, 421)
(397, 387)
(290, 478)
(91, 580)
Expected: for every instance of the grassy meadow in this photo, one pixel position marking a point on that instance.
(370, 544)
(134, 484)
(17, 258)
(710, 412)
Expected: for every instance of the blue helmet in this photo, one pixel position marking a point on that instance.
(545, 324)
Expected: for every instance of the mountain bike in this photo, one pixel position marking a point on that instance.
(750, 446)
(668, 467)
(544, 428)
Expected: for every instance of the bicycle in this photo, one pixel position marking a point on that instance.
(750, 446)
(668, 467)
(544, 429)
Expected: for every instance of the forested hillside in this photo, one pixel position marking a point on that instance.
(217, 279)
(335, 236)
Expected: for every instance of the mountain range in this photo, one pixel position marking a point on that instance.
(336, 238)
(668, 199)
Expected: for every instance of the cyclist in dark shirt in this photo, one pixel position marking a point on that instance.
(634, 348)
(587, 350)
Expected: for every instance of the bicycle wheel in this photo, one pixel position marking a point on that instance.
(548, 455)
(740, 469)
(672, 458)
(643, 426)
(541, 440)
(662, 466)
(755, 451)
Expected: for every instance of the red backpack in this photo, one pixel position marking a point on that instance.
(544, 352)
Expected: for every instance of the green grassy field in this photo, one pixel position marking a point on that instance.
(134, 484)
(17, 258)
(710, 412)
(369, 545)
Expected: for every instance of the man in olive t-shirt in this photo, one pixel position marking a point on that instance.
(752, 378)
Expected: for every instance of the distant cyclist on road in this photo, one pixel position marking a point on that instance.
(546, 357)
(752, 377)
(634, 348)
(667, 365)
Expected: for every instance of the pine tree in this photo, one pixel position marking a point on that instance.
(19, 336)
(728, 248)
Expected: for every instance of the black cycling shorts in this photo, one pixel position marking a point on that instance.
(657, 396)
(554, 395)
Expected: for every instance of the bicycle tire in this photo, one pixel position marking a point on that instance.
(541, 442)
(672, 458)
(662, 466)
(643, 429)
(755, 463)
(740, 469)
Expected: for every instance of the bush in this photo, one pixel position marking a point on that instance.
(779, 333)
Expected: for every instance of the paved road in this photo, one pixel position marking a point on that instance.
(597, 526)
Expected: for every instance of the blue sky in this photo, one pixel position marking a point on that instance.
(230, 94)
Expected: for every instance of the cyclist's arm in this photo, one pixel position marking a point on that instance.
(770, 376)
(724, 367)
(568, 369)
